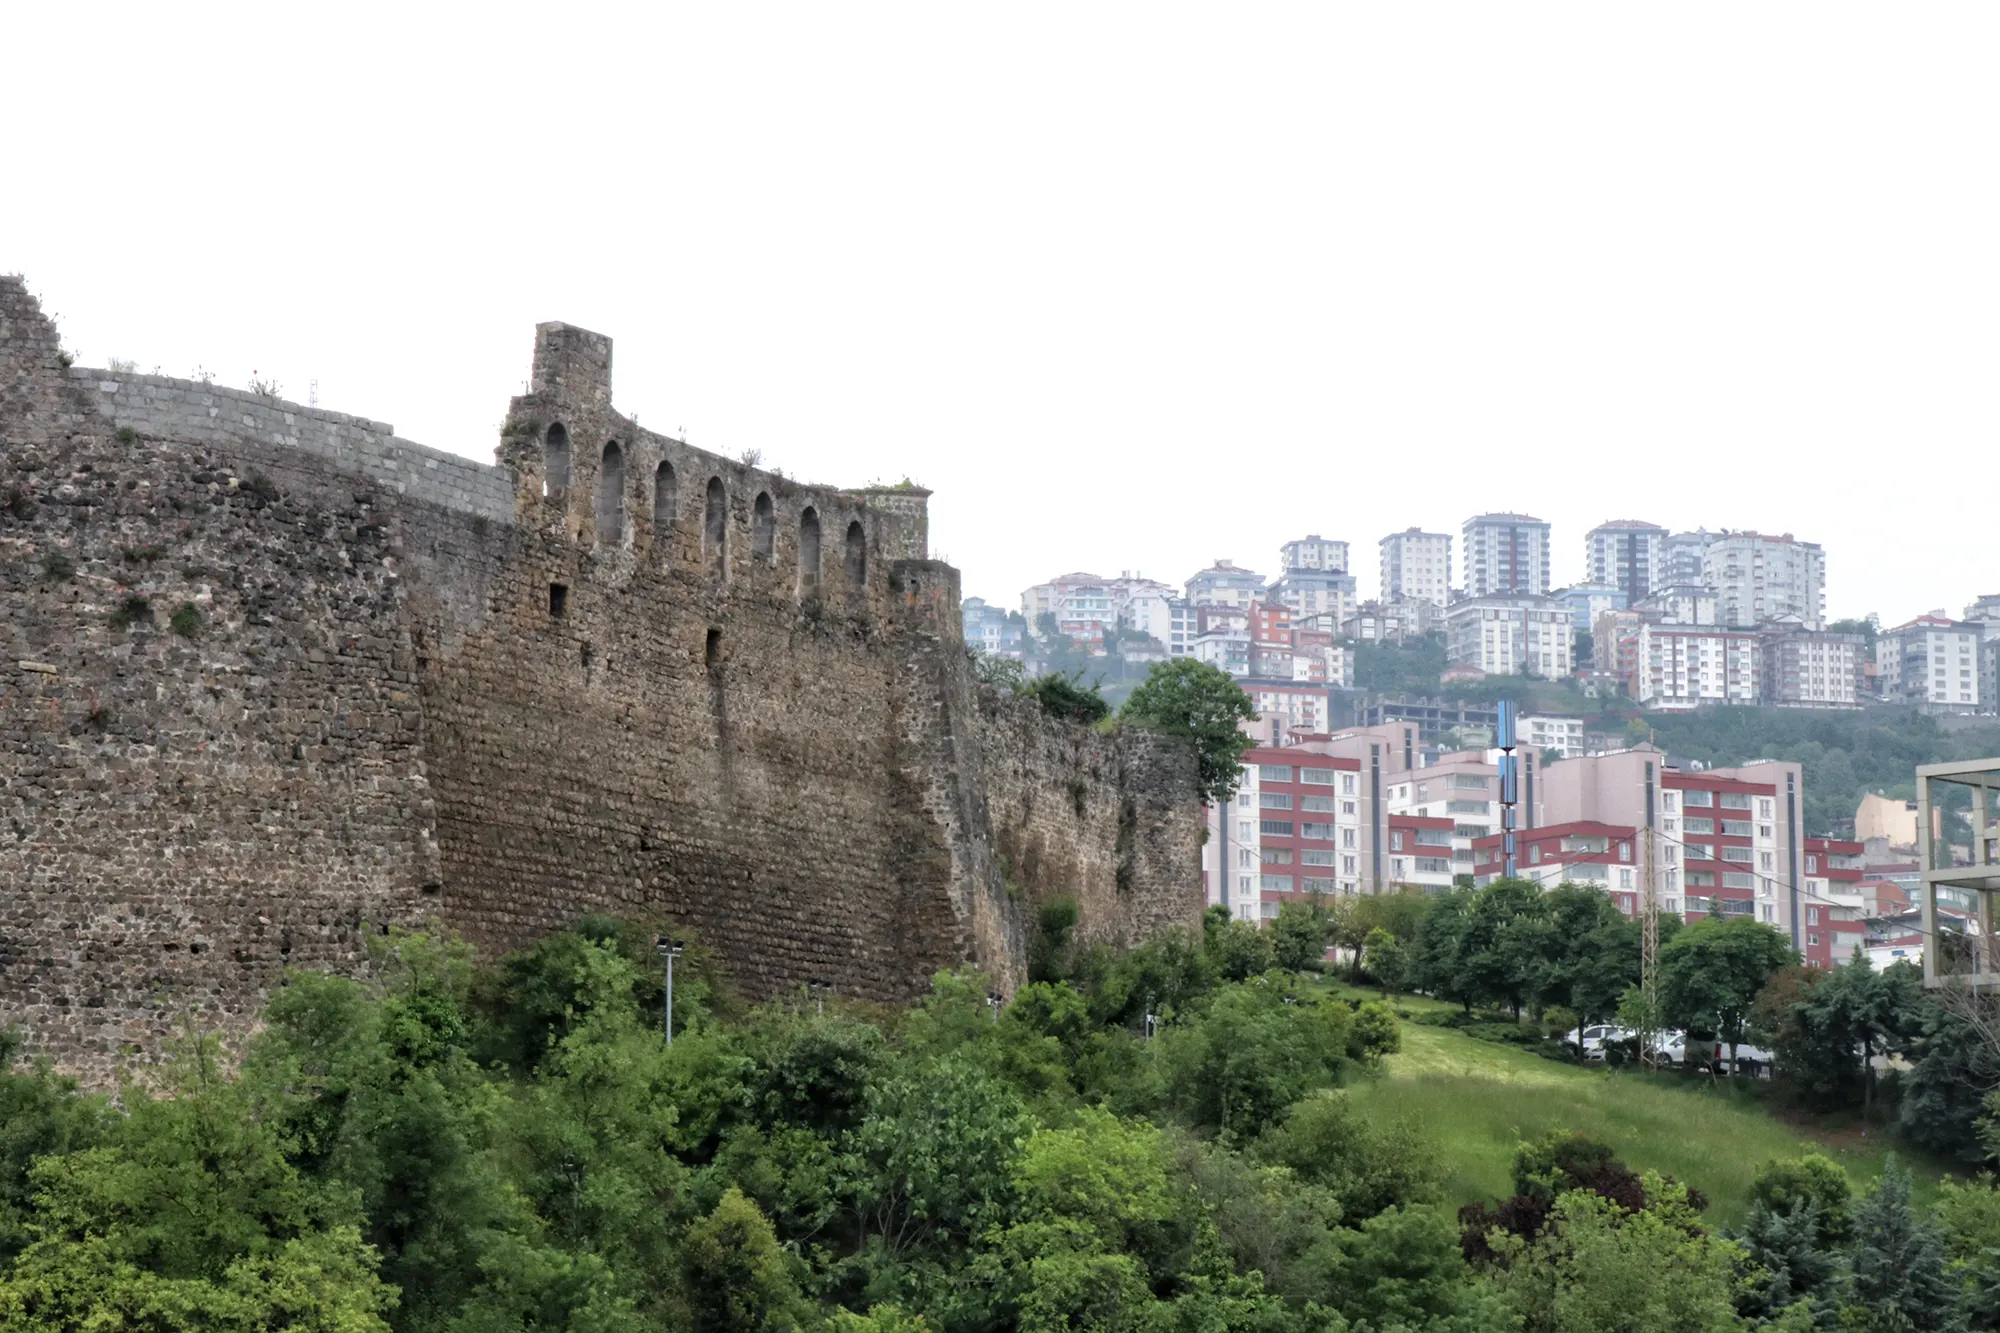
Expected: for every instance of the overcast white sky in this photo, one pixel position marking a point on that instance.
(1129, 286)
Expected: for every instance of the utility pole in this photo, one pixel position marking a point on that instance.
(670, 947)
(1649, 949)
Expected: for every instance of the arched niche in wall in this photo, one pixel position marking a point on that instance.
(856, 556)
(666, 500)
(611, 496)
(763, 529)
(809, 552)
(555, 459)
(715, 528)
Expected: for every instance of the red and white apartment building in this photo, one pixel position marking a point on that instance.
(1580, 852)
(1835, 904)
(1361, 811)
(1293, 829)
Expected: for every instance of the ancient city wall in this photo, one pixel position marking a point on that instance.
(611, 673)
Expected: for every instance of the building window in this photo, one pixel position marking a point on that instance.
(1274, 772)
(1275, 828)
(1275, 800)
(1812, 916)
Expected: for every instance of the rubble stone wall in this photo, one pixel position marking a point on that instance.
(272, 680)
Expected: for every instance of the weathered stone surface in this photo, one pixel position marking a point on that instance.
(418, 689)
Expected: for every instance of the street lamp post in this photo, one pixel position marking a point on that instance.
(670, 947)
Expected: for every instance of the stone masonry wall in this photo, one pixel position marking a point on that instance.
(158, 407)
(613, 673)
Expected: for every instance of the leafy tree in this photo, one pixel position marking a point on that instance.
(1842, 1021)
(41, 1115)
(1250, 1054)
(1955, 1067)
(1401, 1269)
(1900, 1276)
(735, 1278)
(1607, 1269)
(1388, 959)
(1435, 964)
(1300, 934)
(1711, 972)
(1789, 1186)
(1508, 935)
(1592, 954)
(1063, 694)
(187, 1215)
(1240, 949)
(1183, 697)
(1368, 1165)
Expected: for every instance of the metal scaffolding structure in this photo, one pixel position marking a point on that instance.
(1952, 956)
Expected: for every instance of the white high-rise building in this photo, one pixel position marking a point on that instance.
(1758, 578)
(1416, 566)
(1225, 583)
(1932, 661)
(1682, 554)
(1628, 555)
(1506, 555)
(1686, 666)
(1314, 552)
(1512, 635)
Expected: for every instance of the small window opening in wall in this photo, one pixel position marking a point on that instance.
(555, 459)
(558, 598)
(712, 652)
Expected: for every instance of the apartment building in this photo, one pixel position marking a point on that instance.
(1727, 839)
(1314, 592)
(1588, 601)
(1683, 556)
(1393, 621)
(1804, 668)
(1542, 733)
(1511, 635)
(1627, 554)
(1293, 829)
(1420, 853)
(1933, 662)
(1758, 578)
(1604, 856)
(1225, 584)
(1416, 566)
(1460, 789)
(1506, 555)
(1313, 553)
(1834, 905)
(1681, 667)
(1679, 604)
(990, 628)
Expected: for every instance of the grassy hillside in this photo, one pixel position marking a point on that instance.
(1477, 1100)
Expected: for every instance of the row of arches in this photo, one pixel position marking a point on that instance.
(610, 515)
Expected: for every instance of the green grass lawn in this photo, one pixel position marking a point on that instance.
(1477, 1100)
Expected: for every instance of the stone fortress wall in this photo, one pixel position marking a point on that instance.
(611, 673)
